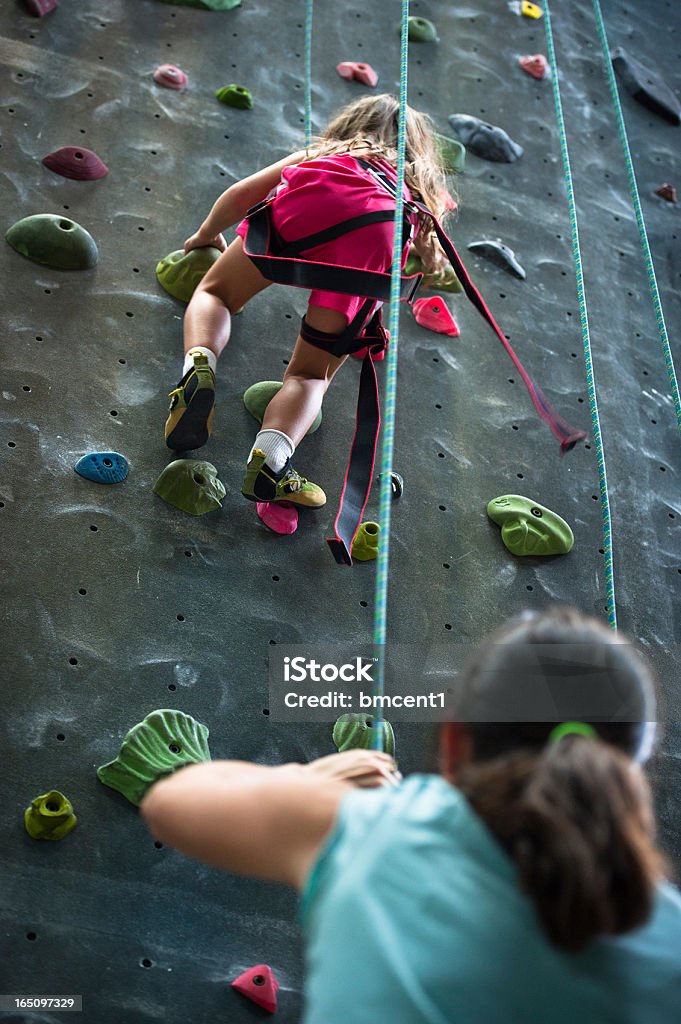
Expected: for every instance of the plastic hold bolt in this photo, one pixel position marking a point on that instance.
(40, 7)
(235, 96)
(160, 744)
(535, 64)
(433, 314)
(485, 140)
(528, 528)
(499, 254)
(76, 162)
(646, 86)
(280, 517)
(363, 73)
(50, 816)
(103, 467)
(365, 544)
(396, 484)
(420, 30)
(54, 241)
(259, 985)
(452, 152)
(357, 729)
(191, 485)
(666, 192)
(530, 10)
(259, 396)
(180, 272)
(170, 76)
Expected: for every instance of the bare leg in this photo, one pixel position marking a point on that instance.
(306, 380)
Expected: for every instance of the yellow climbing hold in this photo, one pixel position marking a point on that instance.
(530, 10)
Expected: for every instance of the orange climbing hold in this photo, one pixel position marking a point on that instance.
(259, 985)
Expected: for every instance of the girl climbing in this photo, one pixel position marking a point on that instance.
(522, 885)
(334, 180)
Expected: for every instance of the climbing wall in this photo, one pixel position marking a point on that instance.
(116, 604)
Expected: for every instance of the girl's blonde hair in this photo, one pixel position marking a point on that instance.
(370, 125)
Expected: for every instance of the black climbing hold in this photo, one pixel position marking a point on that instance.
(396, 484)
(485, 140)
(500, 254)
(646, 86)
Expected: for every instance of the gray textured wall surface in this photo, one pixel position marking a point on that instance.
(116, 604)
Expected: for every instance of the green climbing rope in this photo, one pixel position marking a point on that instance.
(584, 321)
(308, 72)
(636, 201)
(383, 562)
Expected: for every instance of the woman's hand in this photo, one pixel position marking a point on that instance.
(200, 239)
(364, 768)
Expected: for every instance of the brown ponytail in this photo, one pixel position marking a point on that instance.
(576, 818)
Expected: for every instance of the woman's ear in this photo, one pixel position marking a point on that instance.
(456, 749)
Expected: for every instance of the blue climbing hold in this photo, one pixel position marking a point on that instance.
(103, 467)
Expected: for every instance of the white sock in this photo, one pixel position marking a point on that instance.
(277, 446)
(189, 358)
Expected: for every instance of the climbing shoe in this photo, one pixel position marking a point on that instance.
(262, 484)
(191, 407)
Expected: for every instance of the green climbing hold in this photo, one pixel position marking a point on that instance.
(452, 152)
(50, 816)
(527, 528)
(442, 281)
(207, 5)
(163, 742)
(180, 272)
(365, 544)
(191, 485)
(420, 30)
(54, 241)
(235, 96)
(259, 396)
(356, 730)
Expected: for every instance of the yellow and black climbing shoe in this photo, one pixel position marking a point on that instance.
(191, 407)
(262, 484)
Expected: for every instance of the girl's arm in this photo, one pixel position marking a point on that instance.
(255, 820)
(235, 202)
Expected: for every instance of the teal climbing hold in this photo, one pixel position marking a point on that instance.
(179, 272)
(235, 96)
(452, 153)
(191, 485)
(365, 544)
(357, 730)
(49, 816)
(207, 5)
(420, 30)
(528, 528)
(259, 396)
(103, 467)
(160, 744)
(54, 241)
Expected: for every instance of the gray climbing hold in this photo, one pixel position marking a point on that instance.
(500, 254)
(485, 140)
(646, 86)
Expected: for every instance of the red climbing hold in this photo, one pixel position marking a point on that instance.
(281, 517)
(76, 162)
(363, 73)
(40, 7)
(259, 985)
(667, 192)
(170, 76)
(535, 64)
(433, 314)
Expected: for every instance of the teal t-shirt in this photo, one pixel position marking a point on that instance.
(412, 915)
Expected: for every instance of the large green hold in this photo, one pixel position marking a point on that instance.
(452, 152)
(420, 30)
(191, 485)
(179, 272)
(528, 528)
(50, 816)
(259, 396)
(356, 730)
(207, 5)
(235, 96)
(163, 742)
(443, 281)
(54, 241)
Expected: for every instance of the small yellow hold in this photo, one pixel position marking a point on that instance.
(530, 10)
(365, 544)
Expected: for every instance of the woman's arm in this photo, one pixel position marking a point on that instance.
(255, 820)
